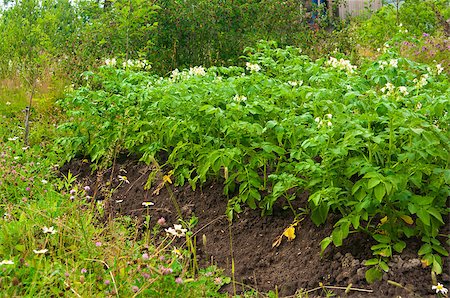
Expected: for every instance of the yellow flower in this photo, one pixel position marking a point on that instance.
(289, 233)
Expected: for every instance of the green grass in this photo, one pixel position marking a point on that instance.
(82, 257)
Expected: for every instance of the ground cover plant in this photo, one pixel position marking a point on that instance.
(53, 242)
(369, 143)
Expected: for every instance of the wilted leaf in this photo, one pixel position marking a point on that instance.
(407, 219)
(277, 241)
(166, 178)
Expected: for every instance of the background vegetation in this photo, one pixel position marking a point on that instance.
(268, 118)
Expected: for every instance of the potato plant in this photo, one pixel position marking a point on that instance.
(370, 143)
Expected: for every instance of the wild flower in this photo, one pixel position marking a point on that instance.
(147, 204)
(197, 71)
(165, 271)
(393, 63)
(161, 221)
(422, 81)
(403, 90)
(98, 243)
(135, 289)
(128, 63)
(110, 62)
(177, 231)
(388, 88)
(83, 270)
(87, 188)
(13, 139)
(41, 251)
(252, 67)
(179, 280)
(44, 181)
(145, 256)
(142, 64)
(175, 74)
(107, 282)
(439, 68)
(341, 64)
(217, 281)
(123, 179)
(439, 288)
(50, 230)
(295, 83)
(119, 201)
(239, 98)
(8, 103)
(72, 191)
(6, 262)
(321, 122)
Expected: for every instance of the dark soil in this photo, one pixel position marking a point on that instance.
(292, 266)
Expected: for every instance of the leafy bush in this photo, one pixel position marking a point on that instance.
(417, 17)
(208, 32)
(369, 143)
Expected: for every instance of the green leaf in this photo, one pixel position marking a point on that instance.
(315, 198)
(379, 191)
(20, 247)
(440, 250)
(422, 200)
(339, 234)
(417, 130)
(371, 175)
(437, 268)
(382, 238)
(373, 182)
(435, 213)
(424, 216)
(324, 243)
(424, 249)
(371, 262)
(399, 246)
(355, 221)
(383, 266)
(319, 214)
(373, 275)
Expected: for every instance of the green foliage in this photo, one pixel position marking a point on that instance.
(209, 32)
(52, 242)
(416, 16)
(58, 36)
(368, 142)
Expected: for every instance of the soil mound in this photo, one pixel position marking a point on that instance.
(292, 266)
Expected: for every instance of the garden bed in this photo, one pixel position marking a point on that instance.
(289, 268)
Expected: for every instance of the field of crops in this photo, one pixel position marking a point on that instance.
(281, 176)
(368, 143)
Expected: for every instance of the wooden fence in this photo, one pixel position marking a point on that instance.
(356, 7)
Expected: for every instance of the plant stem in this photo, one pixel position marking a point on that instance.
(28, 112)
